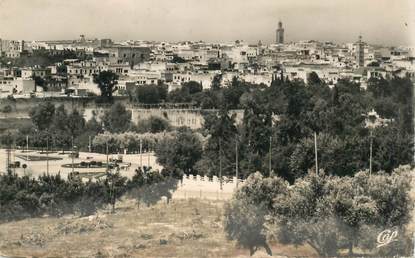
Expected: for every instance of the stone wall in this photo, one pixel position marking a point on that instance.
(189, 117)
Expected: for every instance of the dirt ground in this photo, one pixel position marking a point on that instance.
(183, 228)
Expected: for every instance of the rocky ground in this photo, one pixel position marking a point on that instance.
(183, 228)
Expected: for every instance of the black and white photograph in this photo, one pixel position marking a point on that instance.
(207, 128)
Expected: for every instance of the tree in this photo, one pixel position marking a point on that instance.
(59, 127)
(42, 115)
(186, 93)
(153, 124)
(106, 81)
(41, 82)
(192, 87)
(178, 60)
(181, 152)
(216, 82)
(115, 186)
(313, 79)
(331, 213)
(151, 94)
(117, 119)
(148, 186)
(76, 123)
(220, 147)
(245, 215)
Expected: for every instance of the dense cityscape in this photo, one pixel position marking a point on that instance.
(67, 67)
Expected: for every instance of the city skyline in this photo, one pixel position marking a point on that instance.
(212, 21)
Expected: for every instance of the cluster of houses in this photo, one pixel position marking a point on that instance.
(140, 63)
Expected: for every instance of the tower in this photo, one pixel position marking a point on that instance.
(360, 52)
(280, 34)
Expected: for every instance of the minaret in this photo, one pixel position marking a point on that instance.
(360, 52)
(280, 34)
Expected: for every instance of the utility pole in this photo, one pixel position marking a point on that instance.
(13, 154)
(8, 152)
(106, 151)
(47, 153)
(72, 155)
(270, 155)
(236, 162)
(27, 147)
(220, 163)
(371, 152)
(315, 151)
(89, 143)
(141, 154)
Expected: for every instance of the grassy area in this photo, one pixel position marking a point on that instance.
(184, 228)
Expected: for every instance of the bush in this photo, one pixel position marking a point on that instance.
(7, 109)
(327, 212)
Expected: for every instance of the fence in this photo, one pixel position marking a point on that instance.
(206, 187)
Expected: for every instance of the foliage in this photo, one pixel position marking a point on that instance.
(7, 109)
(327, 212)
(128, 140)
(106, 81)
(42, 115)
(153, 124)
(149, 185)
(22, 197)
(117, 119)
(186, 93)
(219, 148)
(150, 94)
(245, 214)
(180, 152)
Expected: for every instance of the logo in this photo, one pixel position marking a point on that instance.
(386, 237)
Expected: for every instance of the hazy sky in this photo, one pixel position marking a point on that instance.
(379, 21)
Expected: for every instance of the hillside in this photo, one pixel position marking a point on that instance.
(183, 228)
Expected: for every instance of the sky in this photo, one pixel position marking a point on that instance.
(386, 22)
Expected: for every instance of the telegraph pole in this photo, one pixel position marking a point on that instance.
(270, 154)
(27, 147)
(47, 153)
(8, 152)
(236, 162)
(72, 155)
(220, 163)
(89, 143)
(315, 151)
(106, 151)
(141, 153)
(371, 152)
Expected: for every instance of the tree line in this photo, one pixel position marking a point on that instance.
(276, 134)
(23, 196)
(331, 214)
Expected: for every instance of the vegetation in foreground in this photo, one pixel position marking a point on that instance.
(331, 214)
(22, 197)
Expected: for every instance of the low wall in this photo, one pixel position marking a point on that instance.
(206, 188)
